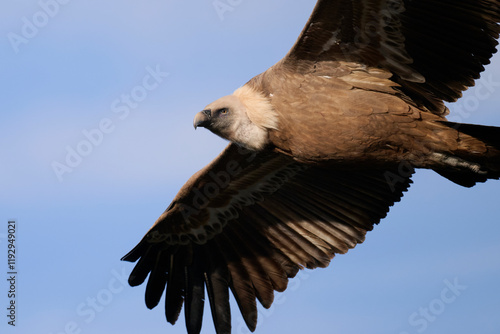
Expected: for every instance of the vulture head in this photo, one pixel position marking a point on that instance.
(245, 117)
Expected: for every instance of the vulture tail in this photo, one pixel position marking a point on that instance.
(478, 156)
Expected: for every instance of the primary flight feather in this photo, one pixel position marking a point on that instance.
(322, 144)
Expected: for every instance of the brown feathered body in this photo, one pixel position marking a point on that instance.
(354, 116)
(322, 145)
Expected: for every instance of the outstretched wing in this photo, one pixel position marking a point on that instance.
(247, 223)
(435, 49)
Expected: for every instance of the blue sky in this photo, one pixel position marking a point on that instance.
(138, 72)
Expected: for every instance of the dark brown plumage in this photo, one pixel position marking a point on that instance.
(318, 142)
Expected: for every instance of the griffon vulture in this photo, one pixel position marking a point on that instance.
(321, 145)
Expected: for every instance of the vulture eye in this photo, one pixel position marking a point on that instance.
(223, 111)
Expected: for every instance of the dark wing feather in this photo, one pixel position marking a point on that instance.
(274, 217)
(195, 291)
(176, 281)
(217, 280)
(158, 279)
(435, 49)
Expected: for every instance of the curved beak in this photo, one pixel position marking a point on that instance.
(202, 119)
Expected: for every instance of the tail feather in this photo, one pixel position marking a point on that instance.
(464, 179)
(469, 165)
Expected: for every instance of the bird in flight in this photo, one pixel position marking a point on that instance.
(322, 144)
